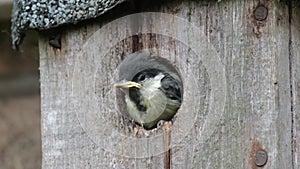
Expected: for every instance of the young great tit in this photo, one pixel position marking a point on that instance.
(153, 95)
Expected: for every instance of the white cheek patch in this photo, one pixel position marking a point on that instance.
(151, 86)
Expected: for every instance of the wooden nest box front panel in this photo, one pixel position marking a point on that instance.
(238, 65)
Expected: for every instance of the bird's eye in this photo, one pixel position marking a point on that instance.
(142, 77)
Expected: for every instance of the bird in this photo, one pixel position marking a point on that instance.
(153, 95)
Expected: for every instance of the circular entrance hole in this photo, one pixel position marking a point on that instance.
(150, 89)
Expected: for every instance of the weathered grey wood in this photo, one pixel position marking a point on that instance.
(65, 143)
(257, 114)
(255, 56)
(295, 82)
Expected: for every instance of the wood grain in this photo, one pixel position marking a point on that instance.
(83, 123)
(295, 80)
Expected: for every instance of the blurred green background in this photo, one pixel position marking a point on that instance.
(20, 138)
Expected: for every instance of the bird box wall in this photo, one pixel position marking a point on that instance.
(295, 81)
(239, 63)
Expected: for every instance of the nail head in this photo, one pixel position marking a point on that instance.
(261, 158)
(261, 13)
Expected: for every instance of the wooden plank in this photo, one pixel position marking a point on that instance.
(257, 114)
(66, 144)
(283, 98)
(295, 81)
(225, 56)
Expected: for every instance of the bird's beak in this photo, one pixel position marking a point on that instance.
(128, 84)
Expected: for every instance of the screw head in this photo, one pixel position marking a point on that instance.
(261, 158)
(261, 13)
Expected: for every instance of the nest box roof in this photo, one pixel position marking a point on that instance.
(44, 14)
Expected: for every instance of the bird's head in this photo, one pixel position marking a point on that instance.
(146, 79)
